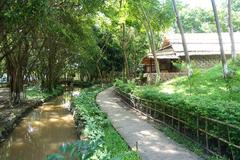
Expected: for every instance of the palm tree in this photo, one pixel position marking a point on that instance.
(187, 57)
(230, 26)
(223, 58)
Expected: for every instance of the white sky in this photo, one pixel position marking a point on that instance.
(199, 3)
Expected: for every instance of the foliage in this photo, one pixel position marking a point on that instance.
(201, 20)
(35, 93)
(179, 65)
(209, 95)
(102, 140)
(126, 86)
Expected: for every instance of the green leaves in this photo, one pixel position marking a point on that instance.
(159, 14)
(55, 157)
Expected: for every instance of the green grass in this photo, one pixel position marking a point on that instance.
(206, 94)
(117, 146)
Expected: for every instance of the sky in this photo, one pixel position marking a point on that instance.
(198, 3)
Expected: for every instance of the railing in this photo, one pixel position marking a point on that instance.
(216, 137)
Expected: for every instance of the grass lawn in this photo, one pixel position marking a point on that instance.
(207, 94)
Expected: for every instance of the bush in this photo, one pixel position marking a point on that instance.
(126, 86)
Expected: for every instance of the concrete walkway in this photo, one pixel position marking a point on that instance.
(152, 144)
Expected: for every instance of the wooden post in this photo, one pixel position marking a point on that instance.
(151, 65)
(151, 110)
(229, 139)
(164, 116)
(172, 117)
(206, 135)
(197, 128)
(155, 110)
(137, 146)
(178, 120)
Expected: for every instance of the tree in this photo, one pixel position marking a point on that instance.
(188, 62)
(19, 21)
(199, 20)
(230, 26)
(40, 37)
(223, 58)
(155, 17)
(151, 38)
(124, 40)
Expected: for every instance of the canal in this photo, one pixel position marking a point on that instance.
(41, 132)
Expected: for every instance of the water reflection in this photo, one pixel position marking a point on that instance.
(41, 132)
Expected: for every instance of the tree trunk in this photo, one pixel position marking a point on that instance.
(150, 34)
(16, 64)
(187, 57)
(99, 70)
(124, 44)
(157, 67)
(223, 58)
(15, 70)
(124, 47)
(50, 71)
(230, 26)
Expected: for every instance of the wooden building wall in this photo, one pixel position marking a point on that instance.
(165, 65)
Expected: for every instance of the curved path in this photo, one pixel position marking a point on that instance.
(152, 144)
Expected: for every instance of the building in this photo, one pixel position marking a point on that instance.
(203, 49)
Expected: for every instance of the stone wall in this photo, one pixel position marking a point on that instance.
(151, 77)
(205, 62)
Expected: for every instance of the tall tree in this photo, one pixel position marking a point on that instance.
(124, 36)
(151, 38)
(230, 26)
(41, 37)
(155, 16)
(223, 57)
(20, 20)
(187, 57)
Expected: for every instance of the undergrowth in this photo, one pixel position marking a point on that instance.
(36, 93)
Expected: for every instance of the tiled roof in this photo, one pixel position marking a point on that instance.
(204, 43)
(197, 44)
